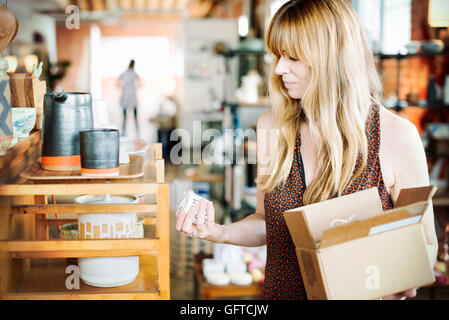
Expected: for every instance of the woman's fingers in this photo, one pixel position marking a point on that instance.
(180, 218)
(187, 225)
(210, 214)
(201, 218)
(198, 221)
(410, 293)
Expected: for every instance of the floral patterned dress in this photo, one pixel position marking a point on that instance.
(283, 279)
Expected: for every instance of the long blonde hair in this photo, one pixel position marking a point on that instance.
(328, 37)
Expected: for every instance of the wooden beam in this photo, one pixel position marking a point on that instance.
(82, 208)
(62, 4)
(70, 189)
(98, 5)
(84, 5)
(59, 222)
(126, 5)
(200, 8)
(167, 5)
(111, 5)
(97, 247)
(140, 5)
(153, 5)
(181, 5)
(81, 296)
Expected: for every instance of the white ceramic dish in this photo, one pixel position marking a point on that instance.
(212, 266)
(413, 47)
(109, 271)
(218, 279)
(242, 279)
(130, 146)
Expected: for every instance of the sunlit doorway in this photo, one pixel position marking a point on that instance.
(152, 56)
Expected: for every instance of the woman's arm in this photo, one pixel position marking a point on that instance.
(247, 232)
(404, 155)
(410, 170)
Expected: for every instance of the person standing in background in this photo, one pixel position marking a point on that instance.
(129, 81)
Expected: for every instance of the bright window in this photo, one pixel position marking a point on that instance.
(387, 23)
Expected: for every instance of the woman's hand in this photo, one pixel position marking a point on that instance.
(199, 221)
(402, 295)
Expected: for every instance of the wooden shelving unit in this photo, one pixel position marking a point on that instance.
(33, 266)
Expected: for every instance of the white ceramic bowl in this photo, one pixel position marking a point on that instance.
(23, 121)
(433, 46)
(109, 271)
(129, 146)
(413, 47)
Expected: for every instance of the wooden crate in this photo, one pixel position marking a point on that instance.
(33, 266)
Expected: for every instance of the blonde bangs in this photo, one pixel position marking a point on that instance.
(283, 36)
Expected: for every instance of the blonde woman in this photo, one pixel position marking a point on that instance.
(334, 138)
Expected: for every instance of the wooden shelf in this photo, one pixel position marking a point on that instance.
(77, 188)
(82, 208)
(403, 56)
(46, 281)
(195, 174)
(79, 248)
(263, 102)
(441, 201)
(32, 266)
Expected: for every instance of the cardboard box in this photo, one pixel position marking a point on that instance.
(376, 254)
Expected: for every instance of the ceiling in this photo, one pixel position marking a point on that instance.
(131, 5)
(191, 8)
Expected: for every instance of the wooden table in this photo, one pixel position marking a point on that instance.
(209, 291)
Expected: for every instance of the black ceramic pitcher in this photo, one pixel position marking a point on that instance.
(65, 115)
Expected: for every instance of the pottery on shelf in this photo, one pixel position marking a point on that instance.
(65, 115)
(108, 271)
(6, 129)
(23, 120)
(413, 47)
(99, 150)
(433, 46)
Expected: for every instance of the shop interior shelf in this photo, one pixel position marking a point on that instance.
(33, 263)
(79, 248)
(46, 280)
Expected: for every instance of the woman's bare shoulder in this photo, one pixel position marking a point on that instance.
(265, 120)
(402, 155)
(398, 132)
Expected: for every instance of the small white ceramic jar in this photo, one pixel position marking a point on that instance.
(108, 271)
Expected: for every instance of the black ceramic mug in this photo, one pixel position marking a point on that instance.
(99, 152)
(65, 114)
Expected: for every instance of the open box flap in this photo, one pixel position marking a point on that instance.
(412, 195)
(390, 220)
(307, 224)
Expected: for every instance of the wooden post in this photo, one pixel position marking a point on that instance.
(41, 219)
(163, 234)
